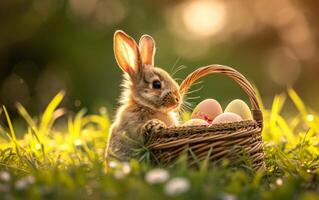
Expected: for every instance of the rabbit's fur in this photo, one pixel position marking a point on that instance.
(140, 100)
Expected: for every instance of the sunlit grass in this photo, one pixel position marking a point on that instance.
(51, 161)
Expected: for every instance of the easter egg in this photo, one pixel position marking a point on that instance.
(240, 108)
(195, 122)
(207, 110)
(226, 117)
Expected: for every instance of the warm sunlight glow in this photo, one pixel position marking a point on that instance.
(78, 142)
(310, 118)
(38, 146)
(204, 18)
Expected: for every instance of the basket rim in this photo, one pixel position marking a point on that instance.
(214, 127)
(186, 132)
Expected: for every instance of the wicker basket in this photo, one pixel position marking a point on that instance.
(217, 141)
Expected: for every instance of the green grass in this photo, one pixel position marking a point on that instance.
(54, 161)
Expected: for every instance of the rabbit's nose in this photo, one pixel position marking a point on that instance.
(177, 99)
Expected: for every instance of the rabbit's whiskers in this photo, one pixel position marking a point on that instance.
(178, 69)
(192, 98)
(175, 64)
(186, 104)
(193, 91)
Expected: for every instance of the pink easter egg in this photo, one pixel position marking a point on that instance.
(207, 110)
(226, 117)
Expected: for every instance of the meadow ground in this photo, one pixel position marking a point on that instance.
(50, 160)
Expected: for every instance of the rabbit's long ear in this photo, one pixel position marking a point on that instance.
(147, 49)
(126, 52)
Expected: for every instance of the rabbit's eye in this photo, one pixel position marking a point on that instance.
(157, 84)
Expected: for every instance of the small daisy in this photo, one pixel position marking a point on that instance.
(226, 196)
(30, 179)
(310, 118)
(177, 186)
(156, 176)
(21, 184)
(38, 146)
(126, 168)
(5, 176)
(279, 181)
(118, 174)
(112, 164)
(24, 182)
(78, 142)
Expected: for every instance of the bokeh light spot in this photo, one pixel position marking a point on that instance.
(204, 18)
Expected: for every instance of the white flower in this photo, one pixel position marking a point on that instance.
(78, 142)
(30, 179)
(112, 164)
(177, 186)
(156, 176)
(118, 174)
(21, 184)
(38, 146)
(279, 182)
(5, 176)
(24, 182)
(310, 118)
(126, 168)
(226, 196)
(120, 170)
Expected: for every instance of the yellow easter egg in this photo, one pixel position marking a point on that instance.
(240, 108)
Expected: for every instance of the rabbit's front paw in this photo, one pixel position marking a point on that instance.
(152, 127)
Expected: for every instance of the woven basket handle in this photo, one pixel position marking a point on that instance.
(232, 73)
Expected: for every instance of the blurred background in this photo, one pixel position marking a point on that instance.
(50, 45)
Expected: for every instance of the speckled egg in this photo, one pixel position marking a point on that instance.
(227, 117)
(240, 108)
(195, 122)
(207, 110)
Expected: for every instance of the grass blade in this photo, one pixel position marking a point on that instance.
(47, 116)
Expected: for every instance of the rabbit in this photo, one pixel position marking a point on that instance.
(150, 96)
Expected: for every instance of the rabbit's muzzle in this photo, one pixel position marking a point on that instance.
(170, 99)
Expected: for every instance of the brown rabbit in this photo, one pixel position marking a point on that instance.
(149, 96)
